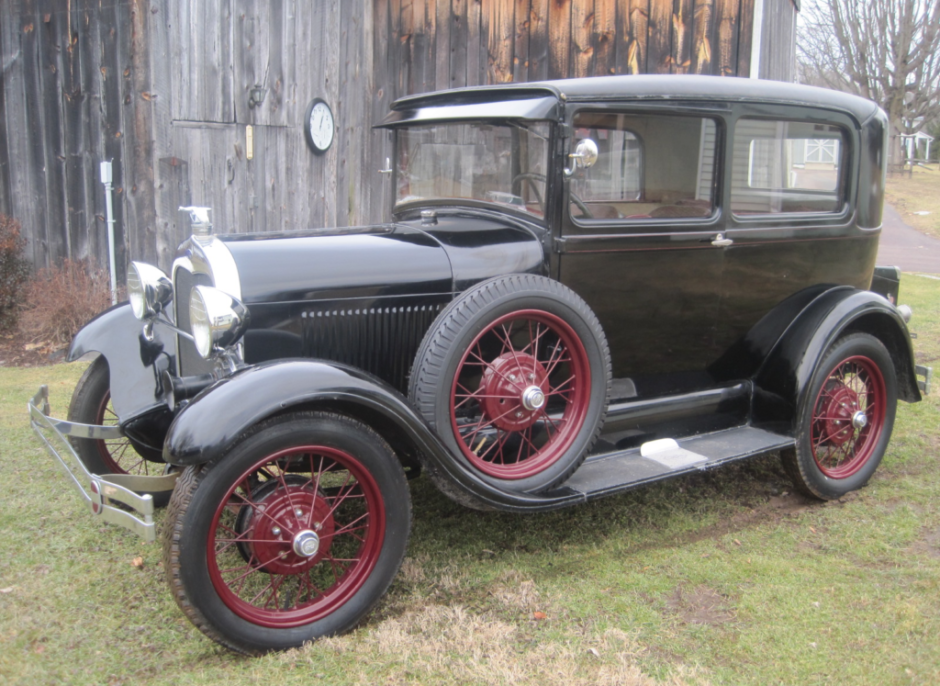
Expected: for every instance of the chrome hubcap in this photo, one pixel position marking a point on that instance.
(533, 398)
(306, 543)
(860, 420)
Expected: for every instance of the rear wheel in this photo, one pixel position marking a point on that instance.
(846, 419)
(293, 535)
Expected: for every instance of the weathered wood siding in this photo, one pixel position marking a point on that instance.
(69, 98)
(452, 43)
(161, 88)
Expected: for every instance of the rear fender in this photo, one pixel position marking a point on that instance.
(135, 363)
(214, 421)
(783, 379)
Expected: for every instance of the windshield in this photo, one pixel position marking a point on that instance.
(496, 163)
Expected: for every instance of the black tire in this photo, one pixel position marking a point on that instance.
(231, 536)
(845, 422)
(91, 404)
(480, 362)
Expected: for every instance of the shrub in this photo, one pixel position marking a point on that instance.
(14, 271)
(61, 300)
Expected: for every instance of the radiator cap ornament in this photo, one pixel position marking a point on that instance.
(199, 221)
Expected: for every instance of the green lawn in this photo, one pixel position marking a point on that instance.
(721, 578)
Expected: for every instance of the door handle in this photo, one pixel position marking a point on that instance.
(720, 241)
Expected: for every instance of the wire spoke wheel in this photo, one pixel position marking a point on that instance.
(514, 376)
(845, 418)
(117, 454)
(520, 394)
(848, 417)
(293, 534)
(296, 536)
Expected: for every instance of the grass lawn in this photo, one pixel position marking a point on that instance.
(915, 195)
(720, 578)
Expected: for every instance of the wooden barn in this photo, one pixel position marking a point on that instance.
(201, 101)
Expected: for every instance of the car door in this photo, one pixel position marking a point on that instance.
(791, 219)
(642, 239)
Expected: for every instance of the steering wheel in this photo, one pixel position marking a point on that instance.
(531, 177)
(585, 212)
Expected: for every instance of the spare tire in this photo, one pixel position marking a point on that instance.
(514, 375)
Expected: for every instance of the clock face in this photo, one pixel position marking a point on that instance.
(318, 127)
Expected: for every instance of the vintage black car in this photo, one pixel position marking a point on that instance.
(586, 286)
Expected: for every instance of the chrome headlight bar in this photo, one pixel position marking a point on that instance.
(217, 319)
(148, 289)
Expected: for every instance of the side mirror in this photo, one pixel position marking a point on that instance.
(584, 156)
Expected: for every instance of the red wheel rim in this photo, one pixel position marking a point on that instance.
(255, 552)
(117, 454)
(848, 417)
(496, 416)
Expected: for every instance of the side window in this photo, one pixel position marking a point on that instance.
(786, 166)
(649, 166)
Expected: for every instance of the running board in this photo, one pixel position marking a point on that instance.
(622, 470)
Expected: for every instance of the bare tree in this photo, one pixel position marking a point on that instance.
(885, 50)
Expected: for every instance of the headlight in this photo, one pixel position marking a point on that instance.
(148, 289)
(217, 319)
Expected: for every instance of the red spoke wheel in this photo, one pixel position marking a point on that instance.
(520, 394)
(514, 375)
(91, 404)
(293, 535)
(846, 419)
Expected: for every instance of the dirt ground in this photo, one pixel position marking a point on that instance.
(18, 349)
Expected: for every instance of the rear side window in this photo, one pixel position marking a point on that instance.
(787, 167)
(649, 166)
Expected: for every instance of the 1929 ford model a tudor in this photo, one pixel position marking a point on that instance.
(588, 285)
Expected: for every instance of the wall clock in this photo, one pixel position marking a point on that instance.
(318, 126)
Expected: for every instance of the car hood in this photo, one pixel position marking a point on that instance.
(355, 262)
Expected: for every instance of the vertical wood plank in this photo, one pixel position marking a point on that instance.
(629, 50)
(520, 40)
(500, 39)
(745, 35)
(203, 88)
(539, 42)
(682, 32)
(460, 42)
(605, 37)
(582, 38)
(659, 52)
(442, 45)
(703, 42)
(559, 39)
(476, 64)
(725, 61)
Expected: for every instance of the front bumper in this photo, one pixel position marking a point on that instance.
(112, 497)
(927, 373)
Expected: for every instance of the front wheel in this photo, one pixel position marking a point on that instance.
(845, 421)
(294, 534)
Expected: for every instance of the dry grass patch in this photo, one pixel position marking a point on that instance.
(917, 194)
(451, 644)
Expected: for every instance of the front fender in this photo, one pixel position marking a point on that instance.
(135, 363)
(784, 377)
(213, 422)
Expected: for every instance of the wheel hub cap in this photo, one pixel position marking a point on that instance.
(290, 529)
(842, 416)
(306, 543)
(514, 391)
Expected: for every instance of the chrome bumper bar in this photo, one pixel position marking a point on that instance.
(927, 373)
(103, 491)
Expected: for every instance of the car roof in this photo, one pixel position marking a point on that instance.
(644, 87)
